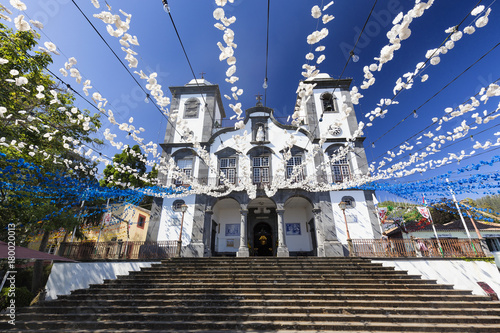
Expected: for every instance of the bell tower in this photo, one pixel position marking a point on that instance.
(199, 106)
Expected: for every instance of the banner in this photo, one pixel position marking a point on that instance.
(424, 211)
(382, 211)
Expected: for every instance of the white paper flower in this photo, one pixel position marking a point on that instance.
(231, 70)
(476, 11)
(398, 18)
(219, 26)
(14, 72)
(19, 5)
(327, 18)
(22, 25)
(456, 36)
(469, 30)
(3, 61)
(320, 59)
(316, 12)
(37, 24)
(96, 3)
(425, 77)
(435, 60)
(5, 17)
(231, 61)
(221, 3)
(218, 13)
(328, 5)
(21, 81)
(320, 48)
(51, 47)
(482, 21)
(309, 56)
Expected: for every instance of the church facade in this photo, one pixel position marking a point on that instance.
(290, 220)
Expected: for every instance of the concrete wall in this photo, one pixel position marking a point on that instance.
(66, 277)
(462, 274)
(358, 218)
(170, 221)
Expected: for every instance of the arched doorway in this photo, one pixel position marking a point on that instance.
(263, 239)
(262, 227)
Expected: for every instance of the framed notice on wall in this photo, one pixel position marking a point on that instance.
(232, 229)
(292, 229)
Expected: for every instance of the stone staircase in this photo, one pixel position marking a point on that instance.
(265, 294)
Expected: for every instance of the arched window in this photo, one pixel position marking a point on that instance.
(228, 162)
(184, 160)
(260, 158)
(191, 108)
(294, 166)
(349, 201)
(340, 166)
(176, 205)
(329, 102)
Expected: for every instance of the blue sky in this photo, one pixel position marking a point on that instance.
(290, 23)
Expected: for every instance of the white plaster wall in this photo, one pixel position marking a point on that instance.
(194, 124)
(496, 255)
(170, 221)
(464, 275)
(66, 277)
(362, 229)
(300, 242)
(227, 216)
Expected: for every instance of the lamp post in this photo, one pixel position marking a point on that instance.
(184, 207)
(342, 206)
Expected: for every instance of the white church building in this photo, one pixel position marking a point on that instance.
(290, 220)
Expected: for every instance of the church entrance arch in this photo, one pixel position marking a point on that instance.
(262, 227)
(263, 239)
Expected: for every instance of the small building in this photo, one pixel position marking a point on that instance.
(121, 222)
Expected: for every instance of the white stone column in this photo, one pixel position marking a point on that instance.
(243, 249)
(282, 248)
(207, 232)
(320, 236)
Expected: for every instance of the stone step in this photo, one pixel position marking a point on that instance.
(214, 295)
(275, 289)
(263, 281)
(321, 284)
(236, 268)
(226, 303)
(341, 324)
(219, 274)
(253, 309)
(243, 317)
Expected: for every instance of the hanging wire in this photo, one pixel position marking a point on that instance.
(267, 53)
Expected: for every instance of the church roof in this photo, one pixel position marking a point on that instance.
(200, 82)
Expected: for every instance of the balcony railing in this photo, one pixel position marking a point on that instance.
(118, 250)
(400, 248)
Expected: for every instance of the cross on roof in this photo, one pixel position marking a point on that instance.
(258, 97)
(202, 73)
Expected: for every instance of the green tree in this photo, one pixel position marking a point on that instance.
(129, 169)
(41, 127)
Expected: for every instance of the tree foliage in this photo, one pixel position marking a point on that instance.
(39, 126)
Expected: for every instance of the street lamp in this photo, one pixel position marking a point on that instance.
(184, 207)
(342, 206)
